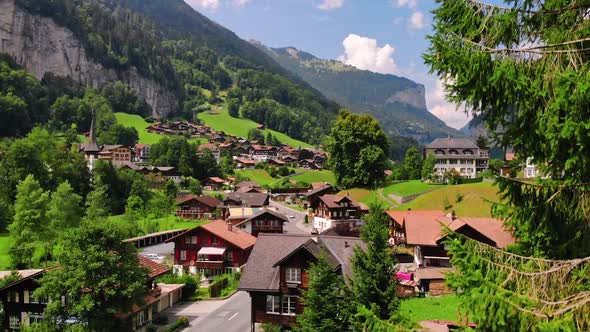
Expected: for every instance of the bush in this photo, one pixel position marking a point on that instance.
(474, 180)
(458, 198)
(267, 327)
(446, 205)
(191, 283)
(180, 322)
(218, 285)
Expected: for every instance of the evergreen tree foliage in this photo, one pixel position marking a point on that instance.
(99, 276)
(325, 306)
(373, 279)
(65, 210)
(97, 203)
(30, 221)
(358, 150)
(523, 68)
(428, 167)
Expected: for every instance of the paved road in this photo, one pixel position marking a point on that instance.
(231, 316)
(295, 225)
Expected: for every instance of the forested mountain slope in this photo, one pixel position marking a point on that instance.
(397, 102)
(179, 61)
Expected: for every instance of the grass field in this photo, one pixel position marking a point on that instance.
(259, 176)
(4, 257)
(310, 176)
(430, 308)
(136, 121)
(166, 223)
(473, 203)
(221, 120)
(408, 188)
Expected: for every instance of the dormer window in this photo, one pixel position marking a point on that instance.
(293, 275)
(453, 151)
(439, 151)
(468, 152)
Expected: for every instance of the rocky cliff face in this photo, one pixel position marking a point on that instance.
(413, 96)
(40, 46)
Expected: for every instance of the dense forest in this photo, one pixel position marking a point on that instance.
(200, 61)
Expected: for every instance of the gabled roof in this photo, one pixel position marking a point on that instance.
(215, 179)
(207, 200)
(249, 199)
(451, 143)
(219, 228)
(332, 201)
(399, 216)
(209, 146)
(428, 231)
(247, 184)
(245, 161)
(318, 190)
(263, 212)
(154, 269)
(262, 272)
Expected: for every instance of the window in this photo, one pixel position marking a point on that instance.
(14, 323)
(202, 258)
(293, 275)
(35, 318)
(273, 304)
(214, 240)
(230, 256)
(289, 304)
(183, 255)
(13, 296)
(191, 239)
(142, 317)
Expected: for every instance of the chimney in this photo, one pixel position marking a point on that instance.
(229, 226)
(453, 215)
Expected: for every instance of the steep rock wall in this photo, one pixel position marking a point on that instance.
(413, 96)
(40, 46)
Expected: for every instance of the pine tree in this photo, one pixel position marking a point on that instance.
(524, 69)
(97, 203)
(373, 281)
(30, 221)
(325, 306)
(65, 210)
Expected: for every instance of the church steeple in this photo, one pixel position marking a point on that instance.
(92, 146)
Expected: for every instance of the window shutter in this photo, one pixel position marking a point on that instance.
(26, 296)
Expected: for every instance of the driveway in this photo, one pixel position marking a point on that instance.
(295, 225)
(231, 315)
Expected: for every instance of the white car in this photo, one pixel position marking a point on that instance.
(152, 256)
(291, 216)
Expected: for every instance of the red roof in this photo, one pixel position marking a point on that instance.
(216, 179)
(399, 216)
(332, 201)
(154, 269)
(245, 161)
(209, 146)
(219, 228)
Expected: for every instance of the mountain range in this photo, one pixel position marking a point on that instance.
(397, 102)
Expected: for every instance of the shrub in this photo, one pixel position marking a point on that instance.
(179, 323)
(306, 219)
(458, 198)
(267, 327)
(446, 205)
(191, 283)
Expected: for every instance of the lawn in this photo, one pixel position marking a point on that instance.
(408, 188)
(472, 204)
(430, 308)
(310, 176)
(4, 257)
(362, 195)
(136, 121)
(162, 224)
(222, 121)
(259, 176)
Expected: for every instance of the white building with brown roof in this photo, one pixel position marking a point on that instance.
(459, 154)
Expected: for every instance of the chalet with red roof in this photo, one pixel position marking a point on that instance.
(263, 221)
(211, 249)
(245, 163)
(196, 207)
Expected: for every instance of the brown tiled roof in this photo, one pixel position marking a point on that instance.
(207, 200)
(216, 179)
(209, 146)
(236, 236)
(262, 270)
(318, 185)
(154, 269)
(245, 161)
(247, 184)
(422, 230)
(249, 199)
(399, 216)
(332, 201)
(491, 228)
(315, 191)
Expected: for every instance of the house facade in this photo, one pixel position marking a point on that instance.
(263, 221)
(141, 153)
(115, 153)
(213, 183)
(262, 152)
(339, 212)
(196, 207)
(277, 272)
(458, 154)
(211, 249)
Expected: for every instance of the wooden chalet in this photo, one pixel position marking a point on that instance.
(244, 163)
(277, 272)
(263, 221)
(308, 164)
(213, 183)
(276, 162)
(262, 152)
(196, 207)
(339, 212)
(211, 249)
(115, 153)
(249, 200)
(313, 196)
(22, 309)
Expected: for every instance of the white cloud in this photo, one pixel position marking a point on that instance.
(240, 3)
(330, 4)
(417, 20)
(364, 53)
(407, 3)
(209, 4)
(437, 104)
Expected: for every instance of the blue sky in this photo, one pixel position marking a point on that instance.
(386, 36)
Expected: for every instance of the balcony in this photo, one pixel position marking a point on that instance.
(209, 264)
